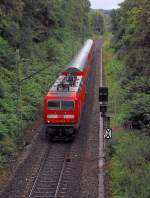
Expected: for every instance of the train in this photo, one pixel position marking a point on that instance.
(65, 99)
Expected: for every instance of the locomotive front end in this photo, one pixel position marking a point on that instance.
(60, 115)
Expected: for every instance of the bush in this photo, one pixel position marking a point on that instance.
(130, 169)
(7, 54)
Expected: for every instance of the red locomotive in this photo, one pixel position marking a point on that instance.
(64, 101)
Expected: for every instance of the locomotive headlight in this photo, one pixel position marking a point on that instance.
(52, 116)
(69, 116)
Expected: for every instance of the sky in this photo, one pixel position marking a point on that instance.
(105, 4)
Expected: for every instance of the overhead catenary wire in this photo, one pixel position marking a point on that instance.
(19, 90)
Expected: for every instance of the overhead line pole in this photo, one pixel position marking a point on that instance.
(19, 95)
(19, 98)
(101, 190)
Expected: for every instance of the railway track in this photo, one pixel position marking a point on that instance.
(55, 172)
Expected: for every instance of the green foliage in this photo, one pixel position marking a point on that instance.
(131, 40)
(130, 169)
(2, 89)
(112, 70)
(127, 74)
(97, 22)
(25, 22)
(7, 54)
(10, 15)
(7, 148)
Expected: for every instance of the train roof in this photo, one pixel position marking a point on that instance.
(73, 90)
(78, 63)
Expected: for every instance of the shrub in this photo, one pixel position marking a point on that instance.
(7, 54)
(130, 169)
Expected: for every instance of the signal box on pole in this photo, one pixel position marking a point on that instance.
(103, 94)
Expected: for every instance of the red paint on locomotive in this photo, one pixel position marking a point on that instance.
(64, 107)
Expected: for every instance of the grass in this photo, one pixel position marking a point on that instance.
(112, 68)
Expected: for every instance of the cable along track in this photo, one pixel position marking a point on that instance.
(52, 178)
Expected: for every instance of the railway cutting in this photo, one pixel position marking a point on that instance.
(64, 169)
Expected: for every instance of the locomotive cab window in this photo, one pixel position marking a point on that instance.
(53, 105)
(67, 105)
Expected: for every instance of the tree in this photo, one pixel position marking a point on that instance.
(131, 30)
(97, 22)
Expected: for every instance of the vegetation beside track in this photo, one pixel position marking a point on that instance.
(130, 26)
(20, 106)
(126, 56)
(112, 69)
(129, 167)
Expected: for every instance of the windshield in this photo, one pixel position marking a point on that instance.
(60, 105)
(67, 105)
(53, 105)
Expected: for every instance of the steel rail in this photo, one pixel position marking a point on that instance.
(57, 189)
(39, 171)
(60, 179)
